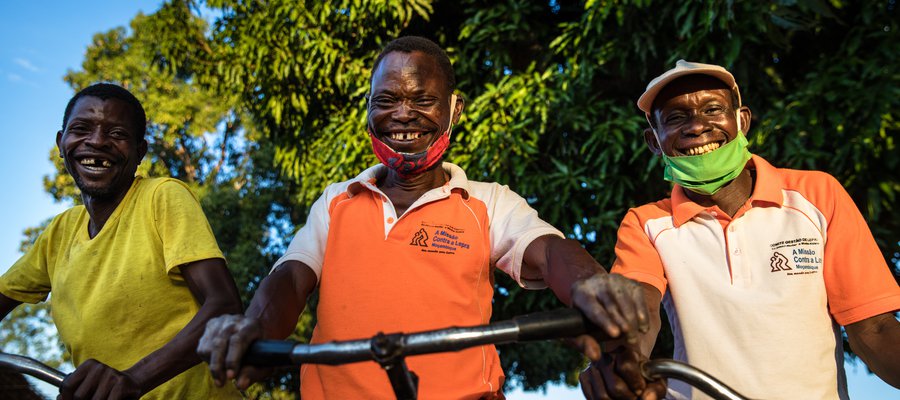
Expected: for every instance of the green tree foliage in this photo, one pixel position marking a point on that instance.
(550, 89)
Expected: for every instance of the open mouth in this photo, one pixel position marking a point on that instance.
(699, 150)
(404, 136)
(95, 164)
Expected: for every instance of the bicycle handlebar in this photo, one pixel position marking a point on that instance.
(32, 367)
(537, 326)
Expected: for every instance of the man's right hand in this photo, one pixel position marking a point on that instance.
(223, 345)
(618, 376)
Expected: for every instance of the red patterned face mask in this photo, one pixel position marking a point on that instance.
(408, 165)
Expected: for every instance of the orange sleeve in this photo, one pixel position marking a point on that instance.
(857, 279)
(636, 257)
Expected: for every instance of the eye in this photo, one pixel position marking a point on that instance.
(673, 118)
(426, 102)
(714, 109)
(119, 134)
(77, 128)
(383, 101)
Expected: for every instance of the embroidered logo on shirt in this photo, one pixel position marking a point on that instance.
(804, 256)
(420, 238)
(445, 239)
(779, 262)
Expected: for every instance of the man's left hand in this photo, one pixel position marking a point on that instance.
(95, 380)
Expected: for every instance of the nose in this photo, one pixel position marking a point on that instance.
(696, 125)
(96, 138)
(403, 113)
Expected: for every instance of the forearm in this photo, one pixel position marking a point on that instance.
(7, 305)
(567, 263)
(178, 355)
(281, 298)
(878, 344)
(564, 262)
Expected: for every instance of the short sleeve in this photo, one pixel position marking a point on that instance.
(182, 227)
(28, 280)
(857, 279)
(636, 257)
(513, 226)
(308, 245)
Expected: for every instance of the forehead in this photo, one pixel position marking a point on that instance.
(691, 87)
(111, 109)
(414, 71)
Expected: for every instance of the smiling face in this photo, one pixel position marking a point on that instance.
(408, 108)
(694, 115)
(102, 146)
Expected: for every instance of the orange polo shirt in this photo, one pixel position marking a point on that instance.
(754, 298)
(429, 268)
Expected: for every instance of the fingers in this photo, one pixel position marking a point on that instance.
(614, 303)
(656, 390)
(223, 345)
(588, 346)
(67, 390)
(95, 380)
(592, 385)
(249, 374)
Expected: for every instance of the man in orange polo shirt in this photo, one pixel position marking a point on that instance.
(410, 245)
(759, 265)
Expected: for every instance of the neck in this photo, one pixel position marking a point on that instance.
(403, 192)
(99, 209)
(430, 179)
(731, 197)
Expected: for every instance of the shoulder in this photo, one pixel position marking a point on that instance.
(807, 181)
(164, 190)
(66, 219)
(819, 188)
(649, 211)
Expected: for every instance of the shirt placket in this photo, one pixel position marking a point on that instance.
(740, 275)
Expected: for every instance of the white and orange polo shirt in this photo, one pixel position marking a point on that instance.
(429, 268)
(757, 299)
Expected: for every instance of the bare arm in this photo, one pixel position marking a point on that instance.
(877, 341)
(272, 314)
(612, 302)
(213, 287)
(7, 305)
(281, 298)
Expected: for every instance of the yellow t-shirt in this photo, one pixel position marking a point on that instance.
(120, 296)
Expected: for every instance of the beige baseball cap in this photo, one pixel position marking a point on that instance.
(683, 68)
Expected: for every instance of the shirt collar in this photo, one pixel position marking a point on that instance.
(368, 179)
(767, 189)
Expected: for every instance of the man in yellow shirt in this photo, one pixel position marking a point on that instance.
(135, 272)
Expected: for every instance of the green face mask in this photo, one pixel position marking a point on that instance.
(707, 173)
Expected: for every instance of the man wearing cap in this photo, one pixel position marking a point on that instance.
(756, 266)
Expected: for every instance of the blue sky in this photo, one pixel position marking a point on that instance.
(39, 42)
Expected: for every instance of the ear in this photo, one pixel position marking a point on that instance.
(59, 143)
(652, 141)
(746, 117)
(458, 106)
(142, 149)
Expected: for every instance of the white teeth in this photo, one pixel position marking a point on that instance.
(695, 151)
(406, 135)
(88, 161)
